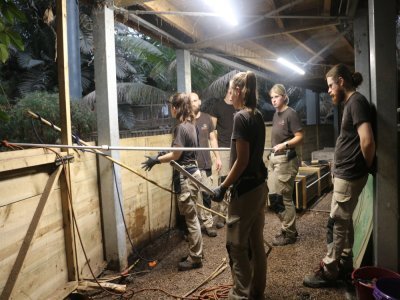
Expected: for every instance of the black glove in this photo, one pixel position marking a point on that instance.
(219, 193)
(150, 162)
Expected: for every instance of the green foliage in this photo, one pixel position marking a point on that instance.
(9, 14)
(21, 127)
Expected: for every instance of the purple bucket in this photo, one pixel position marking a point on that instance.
(387, 289)
(365, 278)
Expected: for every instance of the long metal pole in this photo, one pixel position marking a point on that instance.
(179, 168)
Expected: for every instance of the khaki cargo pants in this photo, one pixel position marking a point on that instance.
(281, 176)
(205, 215)
(222, 207)
(344, 201)
(249, 272)
(187, 207)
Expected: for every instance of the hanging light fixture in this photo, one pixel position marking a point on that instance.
(290, 65)
(224, 9)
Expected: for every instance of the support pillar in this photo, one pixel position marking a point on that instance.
(361, 50)
(384, 95)
(312, 107)
(74, 50)
(183, 71)
(108, 134)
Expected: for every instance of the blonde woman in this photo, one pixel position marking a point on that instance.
(286, 134)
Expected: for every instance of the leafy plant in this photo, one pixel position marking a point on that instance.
(22, 128)
(9, 14)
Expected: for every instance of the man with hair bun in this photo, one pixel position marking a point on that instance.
(354, 158)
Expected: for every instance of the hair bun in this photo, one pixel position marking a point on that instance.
(357, 78)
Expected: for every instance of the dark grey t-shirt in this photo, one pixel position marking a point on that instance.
(224, 114)
(249, 127)
(204, 127)
(185, 135)
(284, 125)
(349, 162)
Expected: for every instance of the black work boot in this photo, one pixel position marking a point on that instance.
(345, 268)
(211, 232)
(284, 239)
(189, 264)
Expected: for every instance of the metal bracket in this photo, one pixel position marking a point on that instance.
(64, 159)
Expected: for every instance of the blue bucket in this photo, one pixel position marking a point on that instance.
(387, 289)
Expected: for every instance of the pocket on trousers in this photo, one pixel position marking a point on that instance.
(283, 180)
(341, 190)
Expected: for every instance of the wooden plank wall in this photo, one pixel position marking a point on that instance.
(147, 207)
(86, 203)
(23, 176)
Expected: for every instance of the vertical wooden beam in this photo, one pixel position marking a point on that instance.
(66, 135)
(108, 134)
(183, 71)
(384, 95)
(361, 50)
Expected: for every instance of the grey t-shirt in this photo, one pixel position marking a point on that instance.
(284, 125)
(349, 162)
(185, 136)
(251, 128)
(204, 127)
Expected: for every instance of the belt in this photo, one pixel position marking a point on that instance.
(284, 152)
(188, 166)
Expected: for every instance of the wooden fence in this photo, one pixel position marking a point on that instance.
(37, 259)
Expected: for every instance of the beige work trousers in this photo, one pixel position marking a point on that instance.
(281, 176)
(187, 207)
(249, 272)
(206, 216)
(344, 201)
(222, 207)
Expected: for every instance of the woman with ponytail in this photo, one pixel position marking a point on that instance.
(245, 220)
(184, 135)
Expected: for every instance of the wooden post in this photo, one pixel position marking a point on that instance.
(66, 136)
(108, 134)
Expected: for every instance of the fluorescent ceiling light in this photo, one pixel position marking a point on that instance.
(290, 65)
(224, 9)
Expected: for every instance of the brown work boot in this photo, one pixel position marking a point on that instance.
(320, 279)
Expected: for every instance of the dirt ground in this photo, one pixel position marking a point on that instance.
(286, 265)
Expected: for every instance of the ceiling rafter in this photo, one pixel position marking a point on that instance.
(309, 31)
(281, 25)
(218, 15)
(283, 32)
(184, 24)
(312, 59)
(207, 42)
